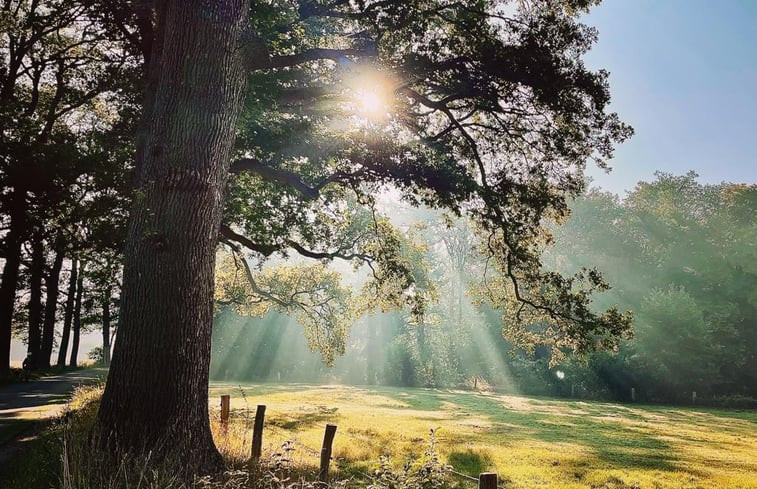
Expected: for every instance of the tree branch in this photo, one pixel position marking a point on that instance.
(267, 173)
(230, 235)
(314, 54)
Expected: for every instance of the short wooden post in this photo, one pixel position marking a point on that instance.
(572, 391)
(257, 432)
(225, 400)
(633, 394)
(694, 397)
(487, 480)
(328, 441)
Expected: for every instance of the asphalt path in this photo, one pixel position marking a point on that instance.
(44, 392)
(23, 406)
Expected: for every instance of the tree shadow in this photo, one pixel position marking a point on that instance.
(11, 427)
(469, 461)
(585, 425)
(303, 419)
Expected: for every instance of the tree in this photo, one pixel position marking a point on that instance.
(156, 393)
(77, 323)
(103, 291)
(671, 324)
(51, 301)
(484, 108)
(57, 63)
(35, 303)
(68, 314)
(679, 254)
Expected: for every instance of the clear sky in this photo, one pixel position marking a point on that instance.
(683, 73)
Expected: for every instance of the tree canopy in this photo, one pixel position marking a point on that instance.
(481, 109)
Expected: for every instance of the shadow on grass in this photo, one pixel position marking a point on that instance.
(10, 428)
(610, 442)
(303, 419)
(470, 462)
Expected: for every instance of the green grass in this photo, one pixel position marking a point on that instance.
(11, 428)
(529, 442)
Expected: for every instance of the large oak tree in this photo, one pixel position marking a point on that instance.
(482, 108)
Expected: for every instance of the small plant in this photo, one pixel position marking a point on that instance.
(427, 472)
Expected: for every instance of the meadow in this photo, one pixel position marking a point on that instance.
(529, 442)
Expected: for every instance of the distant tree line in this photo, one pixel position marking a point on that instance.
(682, 256)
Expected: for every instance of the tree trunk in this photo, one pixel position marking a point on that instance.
(13, 240)
(36, 270)
(68, 314)
(76, 331)
(156, 396)
(51, 304)
(371, 353)
(106, 326)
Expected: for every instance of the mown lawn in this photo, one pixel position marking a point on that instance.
(529, 442)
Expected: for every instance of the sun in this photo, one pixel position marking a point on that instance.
(371, 102)
(370, 94)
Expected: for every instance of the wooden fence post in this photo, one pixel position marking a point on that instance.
(633, 394)
(225, 399)
(694, 397)
(257, 432)
(487, 480)
(328, 441)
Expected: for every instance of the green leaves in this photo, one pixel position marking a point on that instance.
(312, 294)
(491, 115)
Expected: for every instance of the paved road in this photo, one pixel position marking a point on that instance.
(42, 394)
(23, 405)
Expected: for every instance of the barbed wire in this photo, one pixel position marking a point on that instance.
(465, 476)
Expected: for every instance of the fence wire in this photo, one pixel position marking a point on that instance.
(317, 452)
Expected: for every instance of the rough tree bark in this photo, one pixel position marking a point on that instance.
(13, 240)
(36, 270)
(76, 330)
(106, 325)
(68, 313)
(51, 304)
(156, 396)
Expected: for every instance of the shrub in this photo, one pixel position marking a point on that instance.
(735, 401)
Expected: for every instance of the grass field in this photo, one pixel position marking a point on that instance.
(529, 442)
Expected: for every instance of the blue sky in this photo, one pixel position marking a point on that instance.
(683, 73)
